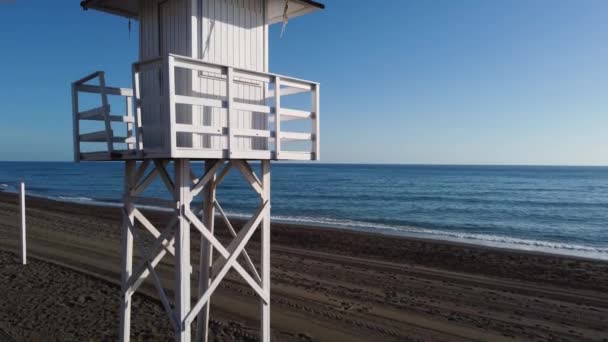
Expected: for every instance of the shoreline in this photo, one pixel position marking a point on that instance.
(327, 284)
(319, 230)
(427, 235)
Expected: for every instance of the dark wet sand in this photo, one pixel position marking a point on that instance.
(327, 285)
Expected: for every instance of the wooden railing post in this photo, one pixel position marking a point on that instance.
(130, 126)
(170, 101)
(75, 123)
(316, 124)
(277, 116)
(106, 112)
(137, 97)
(230, 110)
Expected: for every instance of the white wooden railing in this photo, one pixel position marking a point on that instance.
(243, 126)
(275, 89)
(103, 114)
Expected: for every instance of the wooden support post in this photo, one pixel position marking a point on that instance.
(211, 272)
(127, 251)
(206, 253)
(23, 237)
(182, 251)
(265, 254)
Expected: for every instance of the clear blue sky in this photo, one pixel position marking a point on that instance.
(457, 82)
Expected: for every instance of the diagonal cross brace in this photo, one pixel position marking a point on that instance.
(150, 227)
(250, 176)
(250, 226)
(159, 168)
(156, 280)
(160, 250)
(234, 234)
(167, 244)
(222, 175)
(236, 248)
(141, 170)
(198, 186)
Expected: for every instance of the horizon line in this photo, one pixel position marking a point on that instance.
(339, 163)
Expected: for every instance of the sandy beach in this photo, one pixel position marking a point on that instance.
(327, 285)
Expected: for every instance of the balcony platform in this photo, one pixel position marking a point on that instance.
(193, 155)
(184, 108)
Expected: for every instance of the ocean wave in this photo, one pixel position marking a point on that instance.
(400, 230)
(75, 199)
(439, 234)
(7, 188)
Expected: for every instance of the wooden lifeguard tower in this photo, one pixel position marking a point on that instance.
(201, 91)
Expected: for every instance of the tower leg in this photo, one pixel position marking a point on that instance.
(206, 255)
(265, 254)
(182, 251)
(127, 252)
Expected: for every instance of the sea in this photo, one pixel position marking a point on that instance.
(555, 209)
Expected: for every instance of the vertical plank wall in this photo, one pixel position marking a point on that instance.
(232, 33)
(164, 28)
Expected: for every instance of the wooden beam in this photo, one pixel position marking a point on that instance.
(198, 101)
(265, 254)
(182, 251)
(249, 175)
(230, 111)
(206, 255)
(252, 107)
(106, 112)
(316, 126)
(98, 111)
(233, 233)
(85, 88)
(137, 97)
(295, 113)
(205, 232)
(206, 178)
(297, 136)
(88, 78)
(247, 229)
(160, 166)
(143, 184)
(160, 251)
(126, 261)
(150, 227)
(224, 173)
(141, 170)
(287, 91)
(277, 115)
(230, 262)
(75, 124)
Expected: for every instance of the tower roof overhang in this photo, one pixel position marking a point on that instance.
(276, 8)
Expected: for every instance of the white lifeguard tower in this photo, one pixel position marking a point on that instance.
(201, 91)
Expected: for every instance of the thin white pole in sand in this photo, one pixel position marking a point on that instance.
(22, 203)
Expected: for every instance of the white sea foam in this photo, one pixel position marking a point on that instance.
(438, 234)
(409, 231)
(7, 188)
(75, 199)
